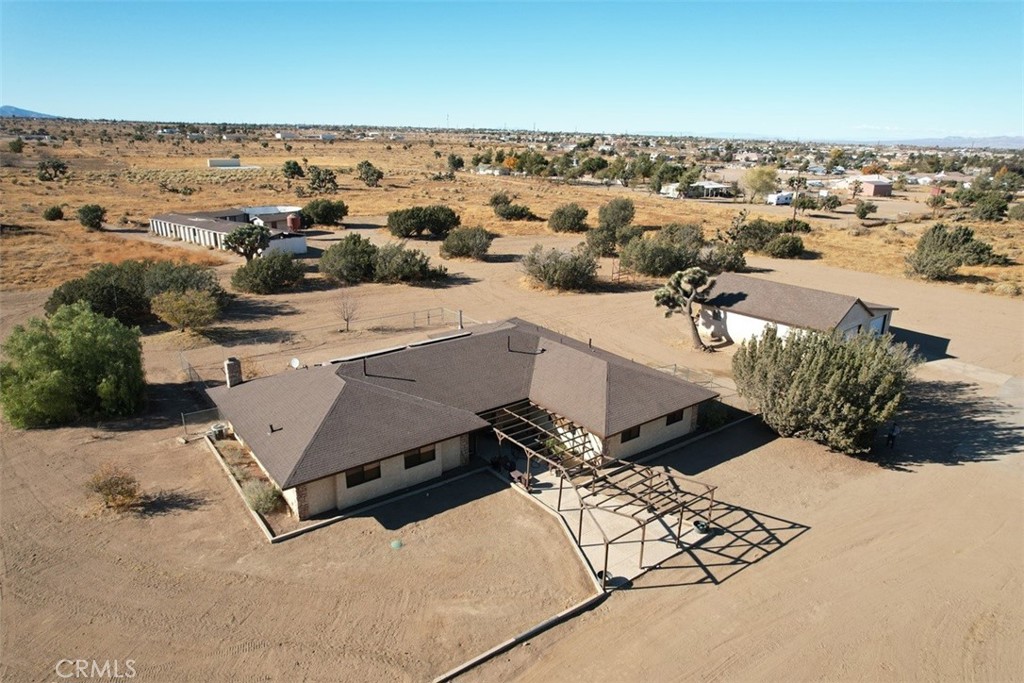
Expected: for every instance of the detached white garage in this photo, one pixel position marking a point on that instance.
(740, 307)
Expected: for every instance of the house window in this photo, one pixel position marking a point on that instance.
(630, 434)
(672, 418)
(362, 474)
(419, 456)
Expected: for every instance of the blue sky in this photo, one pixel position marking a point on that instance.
(827, 70)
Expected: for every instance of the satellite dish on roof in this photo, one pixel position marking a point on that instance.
(295, 363)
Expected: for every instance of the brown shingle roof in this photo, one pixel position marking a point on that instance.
(802, 307)
(323, 424)
(333, 417)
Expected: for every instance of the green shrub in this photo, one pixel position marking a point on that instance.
(466, 243)
(324, 212)
(863, 209)
(54, 213)
(616, 214)
(824, 387)
(794, 225)
(627, 233)
(114, 290)
(394, 263)
(75, 364)
(262, 496)
(501, 198)
(568, 218)
(167, 276)
(116, 486)
(674, 247)
(514, 212)
(437, 220)
(92, 216)
(270, 274)
(785, 246)
(564, 270)
(940, 251)
(350, 260)
(1016, 212)
(755, 235)
(192, 309)
(991, 206)
(601, 241)
(720, 257)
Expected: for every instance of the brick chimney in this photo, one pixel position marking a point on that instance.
(233, 371)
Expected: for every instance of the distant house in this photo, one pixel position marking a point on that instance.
(876, 188)
(779, 198)
(224, 163)
(710, 188)
(285, 135)
(341, 433)
(741, 307)
(209, 228)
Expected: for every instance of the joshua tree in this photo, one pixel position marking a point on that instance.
(855, 188)
(679, 294)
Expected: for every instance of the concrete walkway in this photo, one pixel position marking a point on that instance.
(624, 555)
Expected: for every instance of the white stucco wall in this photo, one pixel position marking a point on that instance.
(450, 454)
(652, 434)
(333, 492)
(737, 327)
(858, 318)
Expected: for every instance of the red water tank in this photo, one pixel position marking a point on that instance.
(294, 222)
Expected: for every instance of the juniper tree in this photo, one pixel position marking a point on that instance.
(824, 387)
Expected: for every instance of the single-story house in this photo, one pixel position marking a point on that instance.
(710, 188)
(340, 433)
(740, 307)
(209, 228)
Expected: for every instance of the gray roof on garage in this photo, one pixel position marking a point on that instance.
(777, 302)
(329, 418)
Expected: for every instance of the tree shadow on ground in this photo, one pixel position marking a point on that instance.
(248, 308)
(738, 538)
(624, 286)
(950, 423)
(169, 502)
(165, 402)
(233, 336)
(316, 284)
(927, 346)
(453, 280)
(502, 258)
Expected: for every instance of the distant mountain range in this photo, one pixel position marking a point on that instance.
(995, 142)
(9, 112)
(998, 142)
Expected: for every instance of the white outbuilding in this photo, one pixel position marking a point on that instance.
(741, 307)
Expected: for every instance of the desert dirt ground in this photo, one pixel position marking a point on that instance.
(906, 570)
(830, 567)
(135, 180)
